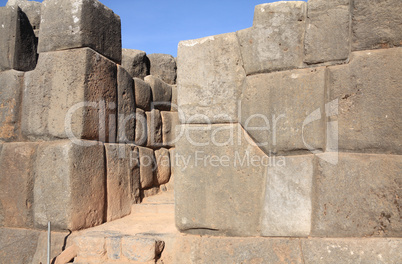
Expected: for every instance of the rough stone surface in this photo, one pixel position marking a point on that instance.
(287, 206)
(163, 66)
(16, 181)
(79, 84)
(91, 246)
(161, 93)
(59, 241)
(154, 128)
(349, 251)
(69, 187)
(358, 197)
(67, 255)
(135, 62)
(169, 122)
(69, 24)
(113, 247)
(31, 9)
(117, 181)
(11, 83)
(147, 165)
(369, 97)
(279, 110)
(206, 250)
(139, 249)
(210, 76)
(275, 42)
(328, 31)
(219, 181)
(133, 162)
(141, 129)
(125, 107)
(376, 24)
(17, 42)
(174, 105)
(18, 246)
(162, 166)
(143, 96)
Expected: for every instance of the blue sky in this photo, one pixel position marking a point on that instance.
(157, 26)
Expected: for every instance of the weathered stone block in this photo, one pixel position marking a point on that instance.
(287, 206)
(140, 249)
(125, 107)
(174, 103)
(143, 96)
(17, 42)
(275, 42)
(219, 181)
(154, 128)
(375, 24)
(68, 95)
(118, 181)
(11, 85)
(113, 247)
(133, 162)
(31, 9)
(69, 187)
(282, 110)
(328, 31)
(147, 166)
(162, 166)
(163, 66)
(69, 24)
(16, 181)
(350, 251)
(141, 129)
(59, 241)
(91, 246)
(135, 62)
(368, 93)
(210, 76)
(358, 197)
(161, 93)
(169, 122)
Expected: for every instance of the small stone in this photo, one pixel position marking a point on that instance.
(141, 128)
(139, 249)
(162, 166)
(154, 128)
(136, 63)
(125, 107)
(161, 93)
(143, 96)
(147, 166)
(169, 122)
(163, 66)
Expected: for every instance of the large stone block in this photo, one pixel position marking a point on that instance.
(219, 181)
(125, 107)
(169, 122)
(351, 251)
(161, 92)
(32, 9)
(375, 24)
(282, 110)
(369, 94)
(143, 96)
(11, 85)
(141, 128)
(162, 159)
(275, 42)
(328, 31)
(69, 189)
(17, 42)
(163, 66)
(135, 62)
(71, 94)
(154, 128)
(358, 197)
(16, 181)
(147, 166)
(118, 181)
(287, 206)
(69, 24)
(210, 76)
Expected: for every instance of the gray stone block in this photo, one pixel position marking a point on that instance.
(141, 128)
(32, 9)
(135, 62)
(68, 95)
(17, 42)
(125, 107)
(163, 66)
(69, 24)
(282, 110)
(369, 105)
(118, 181)
(275, 42)
(161, 93)
(69, 188)
(219, 181)
(133, 163)
(358, 196)
(287, 206)
(328, 31)
(147, 166)
(162, 159)
(143, 96)
(154, 128)
(140, 249)
(174, 103)
(375, 24)
(169, 122)
(210, 77)
(11, 83)
(16, 181)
